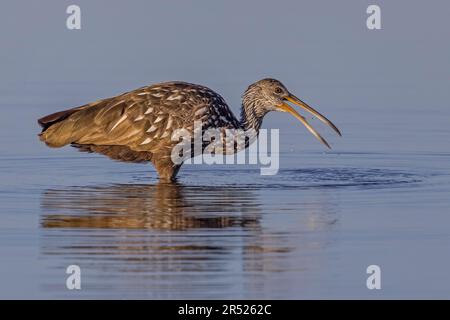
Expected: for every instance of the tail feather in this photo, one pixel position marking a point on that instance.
(47, 121)
(58, 130)
(58, 134)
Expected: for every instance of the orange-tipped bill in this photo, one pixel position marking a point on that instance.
(287, 108)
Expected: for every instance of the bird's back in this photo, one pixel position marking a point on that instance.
(142, 120)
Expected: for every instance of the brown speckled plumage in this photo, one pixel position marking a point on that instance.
(137, 126)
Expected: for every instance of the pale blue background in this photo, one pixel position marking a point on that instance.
(380, 197)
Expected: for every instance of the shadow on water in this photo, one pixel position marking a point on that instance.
(168, 240)
(160, 206)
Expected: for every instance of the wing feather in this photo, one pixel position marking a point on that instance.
(137, 124)
(124, 120)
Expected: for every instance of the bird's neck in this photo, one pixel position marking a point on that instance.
(251, 114)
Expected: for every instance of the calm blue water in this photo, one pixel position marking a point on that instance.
(380, 197)
(226, 231)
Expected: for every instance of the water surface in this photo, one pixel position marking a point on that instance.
(223, 231)
(381, 196)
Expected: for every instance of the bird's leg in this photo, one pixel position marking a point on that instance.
(167, 170)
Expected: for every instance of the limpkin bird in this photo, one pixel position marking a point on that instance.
(137, 126)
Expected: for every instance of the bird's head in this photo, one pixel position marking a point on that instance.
(271, 95)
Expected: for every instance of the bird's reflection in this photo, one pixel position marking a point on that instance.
(170, 240)
(161, 206)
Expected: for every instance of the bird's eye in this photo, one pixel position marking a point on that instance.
(278, 90)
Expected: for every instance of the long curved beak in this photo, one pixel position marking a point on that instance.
(287, 108)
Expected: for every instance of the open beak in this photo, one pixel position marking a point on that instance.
(287, 108)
